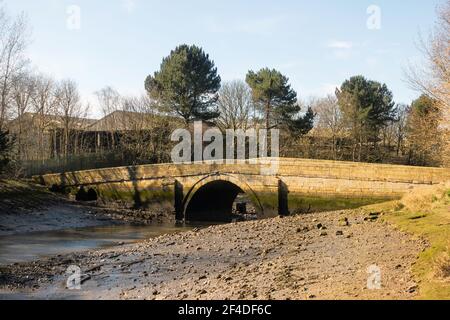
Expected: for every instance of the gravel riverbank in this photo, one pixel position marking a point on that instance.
(314, 256)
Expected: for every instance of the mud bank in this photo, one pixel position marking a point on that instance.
(26, 207)
(55, 217)
(314, 256)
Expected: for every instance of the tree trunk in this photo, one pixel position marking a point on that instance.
(268, 115)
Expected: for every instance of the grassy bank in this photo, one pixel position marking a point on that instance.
(426, 214)
(22, 194)
(10, 189)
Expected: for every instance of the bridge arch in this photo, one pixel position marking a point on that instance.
(212, 198)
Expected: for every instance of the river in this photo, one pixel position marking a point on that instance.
(33, 246)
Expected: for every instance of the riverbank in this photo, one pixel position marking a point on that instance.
(18, 196)
(426, 214)
(55, 217)
(27, 207)
(314, 256)
(329, 255)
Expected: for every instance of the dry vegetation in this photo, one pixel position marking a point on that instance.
(433, 77)
(426, 214)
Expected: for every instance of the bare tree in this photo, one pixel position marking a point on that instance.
(235, 106)
(22, 91)
(43, 103)
(424, 138)
(70, 110)
(433, 77)
(137, 113)
(13, 42)
(329, 121)
(146, 137)
(110, 101)
(400, 127)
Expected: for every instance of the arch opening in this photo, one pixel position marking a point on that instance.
(218, 201)
(83, 195)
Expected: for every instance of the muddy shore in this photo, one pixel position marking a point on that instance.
(62, 215)
(26, 207)
(55, 217)
(314, 256)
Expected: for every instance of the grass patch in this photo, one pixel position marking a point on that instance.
(442, 269)
(299, 203)
(145, 197)
(432, 269)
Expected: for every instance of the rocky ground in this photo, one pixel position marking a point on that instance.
(314, 256)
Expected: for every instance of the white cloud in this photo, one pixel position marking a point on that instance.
(340, 45)
(342, 50)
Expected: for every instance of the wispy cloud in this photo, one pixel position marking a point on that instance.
(335, 44)
(342, 49)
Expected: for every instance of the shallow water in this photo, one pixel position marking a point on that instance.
(33, 246)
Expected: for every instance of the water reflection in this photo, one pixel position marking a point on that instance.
(32, 246)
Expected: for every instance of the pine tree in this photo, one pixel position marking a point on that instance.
(278, 101)
(186, 84)
(367, 106)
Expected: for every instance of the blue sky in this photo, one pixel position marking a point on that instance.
(317, 44)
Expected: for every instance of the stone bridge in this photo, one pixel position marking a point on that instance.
(207, 191)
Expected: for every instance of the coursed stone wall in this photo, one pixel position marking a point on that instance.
(309, 184)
